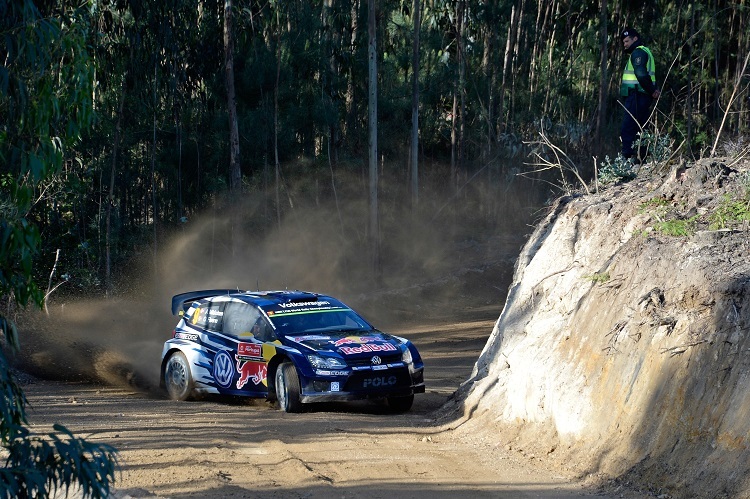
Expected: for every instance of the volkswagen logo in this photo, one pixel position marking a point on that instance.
(376, 361)
(223, 370)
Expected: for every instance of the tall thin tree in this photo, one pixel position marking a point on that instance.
(235, 174)
(414, 185)
(110, 194)
(372, 100)
(603, 76)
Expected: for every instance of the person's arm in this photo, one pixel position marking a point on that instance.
(639, 58)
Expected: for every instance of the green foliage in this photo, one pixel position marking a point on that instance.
(677, 227)
(733, 210)
(46, 88)
(657, 147)
(18, 242)
(37, 466)
(46, 100)
(617, 170)
(301, 78)
(730, 212)
(666, 223)
(653, 203)
(598, 277)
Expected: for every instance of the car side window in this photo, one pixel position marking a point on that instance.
(239, 319)
(263, 330)
(209, 316)
(199, 316)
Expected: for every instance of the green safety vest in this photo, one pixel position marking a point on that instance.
(628, 77)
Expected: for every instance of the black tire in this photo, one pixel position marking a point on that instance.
(287, 388)
(400, 404)
(177, 377)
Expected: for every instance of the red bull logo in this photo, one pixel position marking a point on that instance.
(251, 370)
(373, 347)
(355, 340)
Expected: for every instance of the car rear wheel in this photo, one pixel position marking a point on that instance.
(288, 388)
(400, 404)
(177, 377)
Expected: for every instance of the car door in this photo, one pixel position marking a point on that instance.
(242, 323)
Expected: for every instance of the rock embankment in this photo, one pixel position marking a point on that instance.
(623, 349)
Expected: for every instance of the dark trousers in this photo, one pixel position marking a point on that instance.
(637, 110)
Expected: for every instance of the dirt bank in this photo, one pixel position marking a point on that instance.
(624, 344)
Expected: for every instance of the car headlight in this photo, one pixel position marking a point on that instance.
(406, 356)
(319, 362)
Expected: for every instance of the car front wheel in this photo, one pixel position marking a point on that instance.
(400, 404)
(177, 377)
(288, 388)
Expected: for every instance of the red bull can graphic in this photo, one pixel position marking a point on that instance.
(250, 364)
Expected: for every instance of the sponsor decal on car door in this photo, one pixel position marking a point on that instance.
(251, 366)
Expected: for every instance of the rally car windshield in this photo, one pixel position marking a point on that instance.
(342, 320)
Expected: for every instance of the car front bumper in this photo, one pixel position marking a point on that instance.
(364, 385)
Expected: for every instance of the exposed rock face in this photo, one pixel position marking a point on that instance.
(624, 350)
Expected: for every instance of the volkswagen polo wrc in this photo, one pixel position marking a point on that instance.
(293, 347)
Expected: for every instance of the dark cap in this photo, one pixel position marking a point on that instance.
(629, 32)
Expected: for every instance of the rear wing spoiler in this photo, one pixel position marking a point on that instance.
(179, 300)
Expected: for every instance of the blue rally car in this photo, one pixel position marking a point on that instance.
(293, 347)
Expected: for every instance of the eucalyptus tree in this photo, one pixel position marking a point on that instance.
(603, 81)
(414, 146)
(235, 172)
(46, 99)
(374, 225)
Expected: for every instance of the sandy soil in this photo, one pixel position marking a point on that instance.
(219, 448)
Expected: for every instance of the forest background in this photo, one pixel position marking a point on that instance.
(123, 120)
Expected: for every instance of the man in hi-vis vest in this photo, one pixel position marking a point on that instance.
(639, 90)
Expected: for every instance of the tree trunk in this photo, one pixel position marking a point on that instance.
(154, 202)
(454, 139)
(689, 103)
(603, 77)
(277, 164)
(330, 44)
(461, 83)
(514, 59)
(235, 174)
(110, 195)
(350, 99)
(509, 44)
(416, 8)
(550, 61)
(178, 130)
(458, 102)
(374, 238)
(489, 73)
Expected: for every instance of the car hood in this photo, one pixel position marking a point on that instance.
(347, 345)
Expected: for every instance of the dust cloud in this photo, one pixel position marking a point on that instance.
(454, 252)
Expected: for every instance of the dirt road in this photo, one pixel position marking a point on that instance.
(214, 448)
